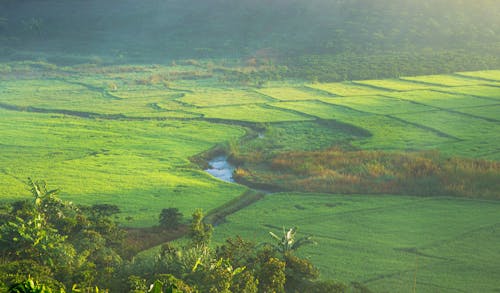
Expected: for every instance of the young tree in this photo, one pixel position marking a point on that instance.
(170, 218)
(200, 232)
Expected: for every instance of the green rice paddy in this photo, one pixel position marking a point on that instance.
(124, 136)
(386, 242)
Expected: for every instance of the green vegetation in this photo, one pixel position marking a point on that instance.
(386, 132)
(488, 75)
(384, 241)
(321, 107)
(363, 172)
(124, 139)
(251, 113)
(442, 99)
(378, 104)
(395, 85)
(478, 91)
(78, 247)
(446, 80)
(288, 93)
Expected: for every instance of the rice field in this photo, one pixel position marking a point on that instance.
(395, 85)
(389, 243)
(139, 127)
(379, 104)
(386, 132)
(486, 74)
(222, 97)
(346, 89)
(289, 93)
(442, 99)
(251, 113)
(483, 91)
(444, 80)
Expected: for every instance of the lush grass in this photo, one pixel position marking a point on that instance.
(289, 93)
(306, 136)
(142, 166)
(373, 239)
(478, 136)
(387, 132)
(346, 89)
(378, 104)
(455, 124)
(492, 92)
(487, 74)
(251, 113)
(76, 97)
(489, 112)
(217, 97)
(442, 100)
(444, 80)
(395, 84)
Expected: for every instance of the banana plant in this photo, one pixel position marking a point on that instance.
(39, 191)
(288, 243)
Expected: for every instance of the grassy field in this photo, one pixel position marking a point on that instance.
(378, 104)
(395, 85)
(346, 89)
(386, 242)
(124, 135)
(483, 91)
(142, 166)
(386, 132)
(444, 80)
(289, 93)
(443, 100)
(221, 97)
(488, 75)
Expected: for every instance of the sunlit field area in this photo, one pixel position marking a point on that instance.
(133, 136)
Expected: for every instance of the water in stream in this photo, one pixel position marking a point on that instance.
(221, 168)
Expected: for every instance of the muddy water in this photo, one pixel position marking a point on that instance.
(221, 168)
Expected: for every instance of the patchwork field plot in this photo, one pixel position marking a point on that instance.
(454, 124)
(387, 132)
(378, 104)
(492, 92)
(444, 80)
(218, 97)
(395, 84)
(251, 113)
(385, 241)
(289, 93)
(443, 100)
(489, 74)
(489, 112)
(346, 89)
(124, 136)
(476, 134)
(142, 166)
(76, 98)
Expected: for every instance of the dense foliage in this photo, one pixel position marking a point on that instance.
(48, 245)
(316, 40)
(59, 243)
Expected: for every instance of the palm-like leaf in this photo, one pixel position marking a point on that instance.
(288, 243)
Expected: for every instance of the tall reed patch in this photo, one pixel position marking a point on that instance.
(342, 171)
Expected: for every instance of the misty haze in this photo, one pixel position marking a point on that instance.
(249, 146)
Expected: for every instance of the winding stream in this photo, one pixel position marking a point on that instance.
(221, 168)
